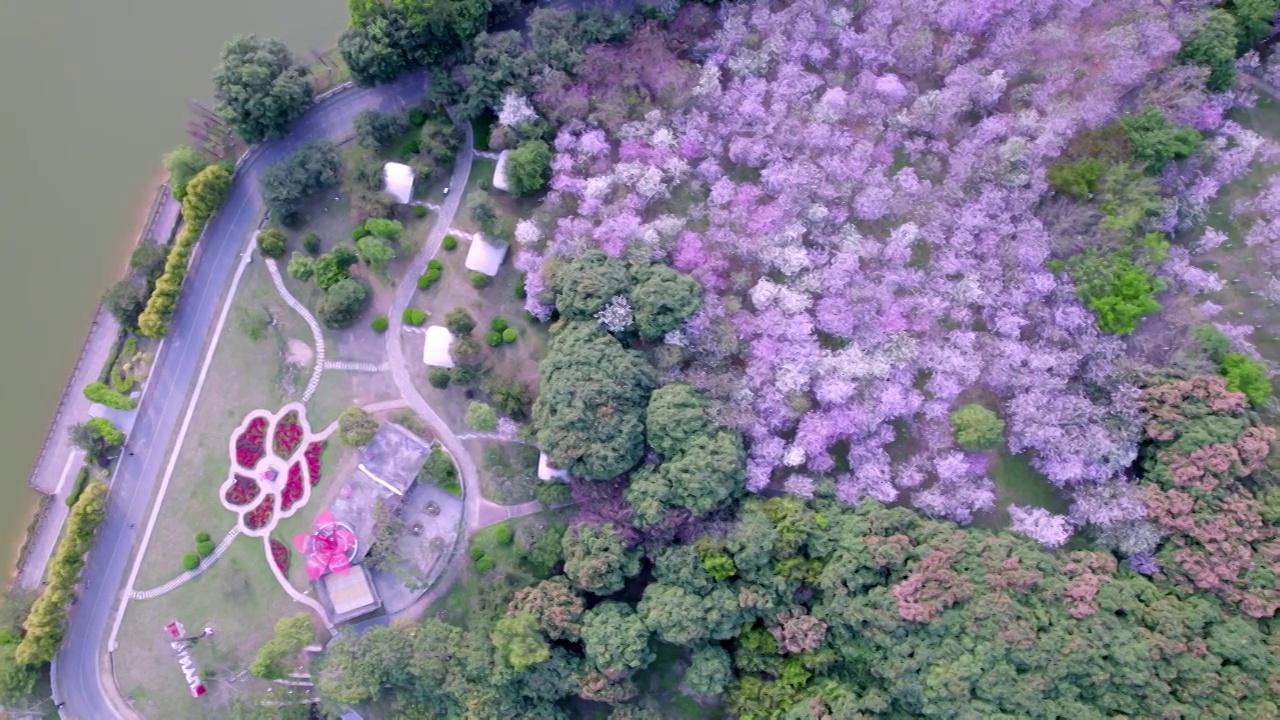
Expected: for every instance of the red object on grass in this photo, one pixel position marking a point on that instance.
(280, 554)
(261, 515)
(312, 456)
(292, 488)
(251, 446)
(243, 491)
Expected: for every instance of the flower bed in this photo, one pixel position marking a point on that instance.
(251, 445)
(243, 491)
(313, 461)
(280, 553)
(292, 488)
(288, 435)
(261, 515)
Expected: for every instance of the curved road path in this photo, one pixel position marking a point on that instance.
(79, 663)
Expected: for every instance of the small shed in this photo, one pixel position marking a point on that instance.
(546, 472)
(350, 595)
(485, 257)
(399, 181)
(500, 173)
(435, 351)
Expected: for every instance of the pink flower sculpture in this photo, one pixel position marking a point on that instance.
(328, 549)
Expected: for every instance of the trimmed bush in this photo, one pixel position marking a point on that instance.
(494, 338)
(509, 336)
(414, 317)
(479, 280)
(977, 428)
(476, 552)
(484, 564)
(82, 481)
(503, 534)
(356, 427)
(465, 373)
(100, 393)
(434, 264)
(450, 242)
(428, 279)
(380, 324)
(272, 243)
(206, 548)
(439, 378)
(202, 537)
(419, 211)
(1246, 375)
(311, 243)
(358, 232)
(499, 324)
(190, 561)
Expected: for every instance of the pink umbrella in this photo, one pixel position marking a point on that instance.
(328, 549)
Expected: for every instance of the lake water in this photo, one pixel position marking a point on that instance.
(95, 91)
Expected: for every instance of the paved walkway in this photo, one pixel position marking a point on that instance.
(274, 268)
(356, 366)
(190, 574)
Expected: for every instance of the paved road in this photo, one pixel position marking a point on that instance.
(79, 673)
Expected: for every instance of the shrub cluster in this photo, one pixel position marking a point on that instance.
(414, 317)
(99, 392)
(206, 192)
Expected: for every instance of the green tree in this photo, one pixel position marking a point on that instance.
(96, 437)
(379, 49)
(1117, 288)
(1247, 375)
(681, 617)
(596, 560)
(272, 243)
(126, 300)
(583, 287)
(301, 267)
(977, 428)
(529, 168)
(499, 64)
(1253, 20)
(554, 604)
(375, 130)
(589, 411)
(258, 89)
(675, 415)
(17, 680)
(1079, 179)
(356, 427)
(1156, 141)
(183, 162)
(148, 259)
(1214, 47)
(460, 322)
(707, 473)
(440, 139)
(376, 252)
(481, 417)
(661, 299)
(518, 641)
(615, 640)
(287, 184)
(709, 672)
(383, 228)
(343, 303)
(99, 393)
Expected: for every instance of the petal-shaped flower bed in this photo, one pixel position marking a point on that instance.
(313, 460)
(258, 518)
(280, 554)
(251, 446)
(292, 488)
(288, 435)
(243, 491)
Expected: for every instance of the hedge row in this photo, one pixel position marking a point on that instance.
(46, 623)
(99, 392)
(206, 192)
(82, 481)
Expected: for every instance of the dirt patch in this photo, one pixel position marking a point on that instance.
(300, 353)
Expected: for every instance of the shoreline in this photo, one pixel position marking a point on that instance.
(40, 501)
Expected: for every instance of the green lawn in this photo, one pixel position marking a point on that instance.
(1017, 483)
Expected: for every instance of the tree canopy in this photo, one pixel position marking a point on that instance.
(287, 184)
(529, 168)
(258, 89)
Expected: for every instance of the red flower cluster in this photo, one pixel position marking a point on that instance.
(250, 446)
(292, 488)
(280, 553)
(313, 461)
(288, 435)
(261, 515)
(243, 491)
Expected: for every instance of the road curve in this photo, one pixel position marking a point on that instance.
(80, 670)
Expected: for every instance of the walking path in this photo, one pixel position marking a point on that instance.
(182, 579)
(494, 436)
(356, 366)
(291, 301)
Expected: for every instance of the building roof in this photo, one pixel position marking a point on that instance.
(435, 350)
(399, 181)
(500, 172)
(485, 257)
(546, 472)
(350, 595)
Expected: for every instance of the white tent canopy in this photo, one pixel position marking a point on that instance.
(484, 257)
(500, 173)
(546, 472)
(399, 181)
(435, 351)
